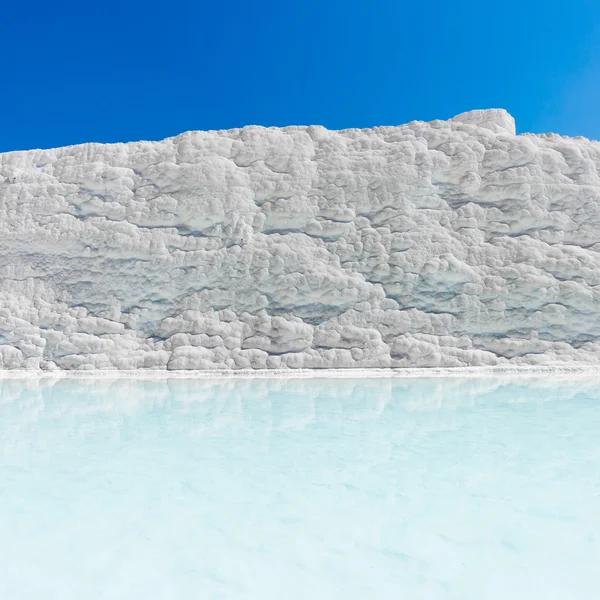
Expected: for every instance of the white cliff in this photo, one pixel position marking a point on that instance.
(439, 244)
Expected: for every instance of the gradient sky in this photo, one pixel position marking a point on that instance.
(75, 71)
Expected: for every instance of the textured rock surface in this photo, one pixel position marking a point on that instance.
(445, 244)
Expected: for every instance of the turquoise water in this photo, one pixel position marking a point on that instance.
(466, 489)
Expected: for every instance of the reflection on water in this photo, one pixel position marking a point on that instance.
(310, 488)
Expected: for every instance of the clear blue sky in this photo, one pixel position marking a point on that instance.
(76, 71)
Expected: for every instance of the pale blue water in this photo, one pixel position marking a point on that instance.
(466, 489)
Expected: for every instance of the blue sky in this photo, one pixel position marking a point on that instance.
(76, 71)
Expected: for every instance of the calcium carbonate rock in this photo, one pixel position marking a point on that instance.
(439, 244)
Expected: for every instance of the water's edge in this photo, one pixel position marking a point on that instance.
(303, 373)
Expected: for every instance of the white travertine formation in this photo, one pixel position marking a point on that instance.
(439, 244)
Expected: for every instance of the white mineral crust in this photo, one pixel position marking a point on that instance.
(442, 244)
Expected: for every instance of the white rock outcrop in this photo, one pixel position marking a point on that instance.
(437, 244)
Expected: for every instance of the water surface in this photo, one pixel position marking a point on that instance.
(463, 489)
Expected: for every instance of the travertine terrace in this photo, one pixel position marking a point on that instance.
(442, 244)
